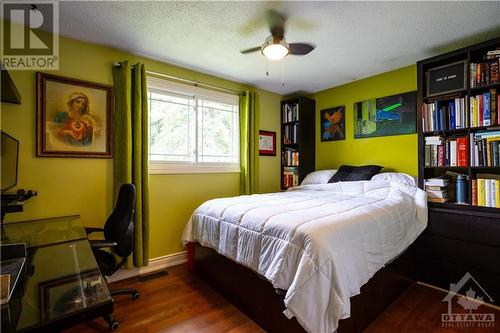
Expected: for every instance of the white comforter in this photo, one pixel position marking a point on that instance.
(321, 243)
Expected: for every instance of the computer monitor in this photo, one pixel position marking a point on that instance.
(9, 159)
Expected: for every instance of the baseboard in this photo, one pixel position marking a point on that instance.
(154, 265)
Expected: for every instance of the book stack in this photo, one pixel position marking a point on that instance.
(444, 115)
(290, 135)
(290, 176)
(486, 191)
(291, 157)
(485, 109)
(290, 112)
(441, 151)
(487, 72)
(437, 189)
(486, 149)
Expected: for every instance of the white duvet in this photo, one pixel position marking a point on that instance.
(321, 243)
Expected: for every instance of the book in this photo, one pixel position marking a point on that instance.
(435, 188)
(453, 152)
(486, 109)
(481, 198)
(487, 192)
(438, 181)
(462, 151)
(493, 193)
(440, 200)
(497, 193)
(474, 192)
(437, 194)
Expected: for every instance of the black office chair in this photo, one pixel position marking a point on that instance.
(119, 235)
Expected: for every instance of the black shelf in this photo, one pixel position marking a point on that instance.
(480, 88)
(306, 138)
(470, 54)
(446, 96)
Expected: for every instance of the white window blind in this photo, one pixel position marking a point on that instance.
(192, 129)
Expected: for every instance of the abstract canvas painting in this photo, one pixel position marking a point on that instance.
(333, 123)
(391, 115)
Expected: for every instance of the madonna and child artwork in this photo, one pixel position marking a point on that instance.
(73, 117)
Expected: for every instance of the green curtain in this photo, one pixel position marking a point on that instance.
(130, 163)
(249, 143)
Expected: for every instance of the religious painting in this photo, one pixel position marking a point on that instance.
(73, 117)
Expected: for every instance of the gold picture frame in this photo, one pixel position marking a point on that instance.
(74, 117)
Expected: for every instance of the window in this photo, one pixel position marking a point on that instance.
(192, 129)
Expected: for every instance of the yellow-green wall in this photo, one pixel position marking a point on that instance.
(397, 153)
(83, 185)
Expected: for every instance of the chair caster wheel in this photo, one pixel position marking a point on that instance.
(114, 325)
(136, 295)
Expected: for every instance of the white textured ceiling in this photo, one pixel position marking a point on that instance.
(354, 39)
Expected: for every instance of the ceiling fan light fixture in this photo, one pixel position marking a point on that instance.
(275, 49)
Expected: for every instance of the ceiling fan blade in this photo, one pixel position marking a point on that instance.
(253, 49)
(276, 23)
(300, 48)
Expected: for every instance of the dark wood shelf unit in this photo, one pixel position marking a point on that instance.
(471, 54)
(306, 139)
(458, 238)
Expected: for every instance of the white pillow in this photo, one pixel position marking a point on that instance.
(318, 177)
(401, 178)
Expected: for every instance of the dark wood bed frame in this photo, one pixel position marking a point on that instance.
(257, 298)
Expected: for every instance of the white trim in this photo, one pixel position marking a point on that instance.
(154, 265)
(176, 168)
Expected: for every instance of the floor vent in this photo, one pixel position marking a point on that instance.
(156, 275)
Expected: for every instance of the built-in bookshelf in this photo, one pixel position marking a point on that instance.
(297, 140)
(459, 130)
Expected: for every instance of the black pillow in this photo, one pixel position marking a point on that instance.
(351, 173)
(341, 174)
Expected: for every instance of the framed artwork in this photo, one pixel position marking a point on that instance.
(333, 123)
(391, 115)
(74, 117)
(446, 79)
(71, 293)
(267, 143)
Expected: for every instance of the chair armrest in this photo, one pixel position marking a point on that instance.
(99, 243)
(90, 230)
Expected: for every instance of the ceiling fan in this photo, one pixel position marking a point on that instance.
(275, 46)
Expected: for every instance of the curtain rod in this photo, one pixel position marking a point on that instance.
(195, 83)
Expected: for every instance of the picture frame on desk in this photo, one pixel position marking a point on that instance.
(67, 294)
(267, 143)
(446, 79)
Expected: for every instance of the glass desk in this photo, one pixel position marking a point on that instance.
(62, 285)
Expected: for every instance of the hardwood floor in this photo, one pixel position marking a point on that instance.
(181, 303)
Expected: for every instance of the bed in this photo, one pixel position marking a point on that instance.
(316, 244)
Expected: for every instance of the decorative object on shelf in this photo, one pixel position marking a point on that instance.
(333, 123)
(461, 190)
(446, 79)
(73, 117)
(267, 143)
(391, 115)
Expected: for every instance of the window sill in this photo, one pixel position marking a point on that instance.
(173, 168)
